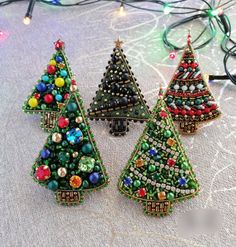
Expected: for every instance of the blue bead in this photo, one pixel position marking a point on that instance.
(53, 185)
(182, 181)
(63, 73)
(127, 181)
(50, 86)
(71, 107)
(74, 136)
(45, 78)
(94, 177)
(152, 152)
(58, 97)
(41, 87)
(59, 59)
(45, 153)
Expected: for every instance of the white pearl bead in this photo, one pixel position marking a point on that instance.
(192, 87)
(184, 88)
(199, 86)
(176, 87)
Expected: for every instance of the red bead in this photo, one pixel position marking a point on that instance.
(48, 98)
(73, 82)
(59, 45)
(37, 95)
(172, 55)
(214, 107)
(176, 111)
(163, 114)
(66, 96)
(142, 192)
(51, 69)
(63, 122)
(171, 162)
(199, 112)
(184, 65)
(207, 110)
(42, 173)
(183, 112)
(194, 65)
(191, 113)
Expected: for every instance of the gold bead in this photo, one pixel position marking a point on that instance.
(162, 195)
(62, 171)
(79, 120)
(56, 137)
(73, 88)
(75, 154)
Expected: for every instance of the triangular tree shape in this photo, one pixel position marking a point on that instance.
(119, 98)
(69, 163)
(188, 96)
(159, 172)
(52, 89)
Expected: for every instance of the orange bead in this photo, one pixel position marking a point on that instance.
(75, 182)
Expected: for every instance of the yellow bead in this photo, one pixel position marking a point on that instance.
(33, 102)
(59, 82)
(53, 62)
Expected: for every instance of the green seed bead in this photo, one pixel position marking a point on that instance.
(82, 125)
(53, 185)
(192, 184)
(198, 101)
(151, 168)
(137, 183)
(85, 184)
(64, 144)
(53, 166)
(170, 196)
(167, 133)
(43, 106)
(178, 102)
(72, 166)
(185, 166)
(54, 92)
(145, 146)
(169, 100)
(97, 168)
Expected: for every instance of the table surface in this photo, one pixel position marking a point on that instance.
(29, 214)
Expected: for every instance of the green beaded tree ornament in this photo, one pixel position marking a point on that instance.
(119, 98)
(69, 163)
(52, 90)
(188, 96)
(159, 172)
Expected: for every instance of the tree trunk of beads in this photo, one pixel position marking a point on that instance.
(119, 127)
(158, 208)
(188, 127)
(68, 197)
(48, 120)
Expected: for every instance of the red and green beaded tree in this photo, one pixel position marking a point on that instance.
(159, 172)
(188, 96)
(119, 98)
(69, 163)
(52, 90)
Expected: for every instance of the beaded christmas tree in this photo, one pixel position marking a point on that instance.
(69, 163)
(188, 96)
(52, 90)
(159, 172)
(119, 98)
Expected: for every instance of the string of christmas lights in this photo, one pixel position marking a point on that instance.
(211, 14)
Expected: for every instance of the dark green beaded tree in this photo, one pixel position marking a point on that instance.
(52, 89)
(119, 98)
(188, 96)
(69, 163)
(159, 172)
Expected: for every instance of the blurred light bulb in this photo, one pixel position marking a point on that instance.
(172, 55)
(167, 9)
(1, 33)
(26, 20)
(122, 11)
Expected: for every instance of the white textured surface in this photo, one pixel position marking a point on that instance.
(29, 215)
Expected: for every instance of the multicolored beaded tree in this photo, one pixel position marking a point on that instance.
(69, 163)
(119, 98)
(159, 172)
(188, 96)
(52, 90)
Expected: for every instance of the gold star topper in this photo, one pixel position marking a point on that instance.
(118, 43)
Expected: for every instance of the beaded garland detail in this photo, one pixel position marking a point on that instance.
(119, 98)
(52, 89)
(188, 96)
(165, 175)
(69, 163)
